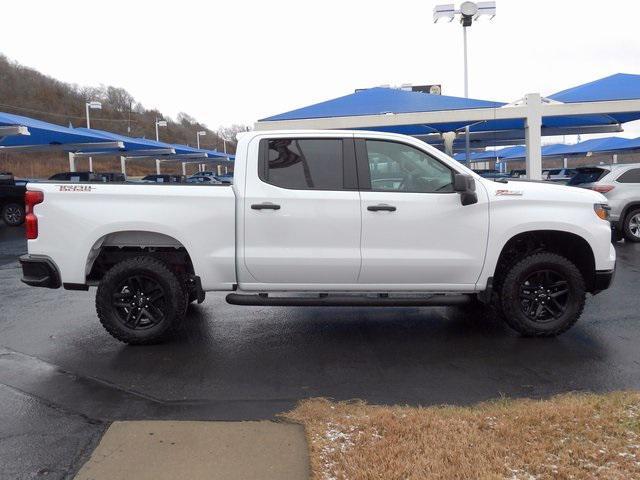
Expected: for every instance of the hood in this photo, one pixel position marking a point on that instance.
(539, 190)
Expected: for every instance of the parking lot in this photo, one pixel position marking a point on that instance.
(61, 372)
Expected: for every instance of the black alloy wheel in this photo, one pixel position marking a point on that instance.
(544, 295)
(13, 214)
(139, 302)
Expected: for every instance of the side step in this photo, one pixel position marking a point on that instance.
(325, 300)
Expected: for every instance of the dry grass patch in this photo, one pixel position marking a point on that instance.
(570, 436)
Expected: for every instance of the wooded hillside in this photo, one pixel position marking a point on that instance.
(25, 91)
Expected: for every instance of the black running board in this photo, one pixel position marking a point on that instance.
(347, 301)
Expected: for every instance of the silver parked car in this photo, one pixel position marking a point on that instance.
(620, 183)
(558, 174)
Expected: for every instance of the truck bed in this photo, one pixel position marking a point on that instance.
(76, 219)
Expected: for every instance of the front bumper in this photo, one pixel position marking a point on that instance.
(603, 280)
(39, 272)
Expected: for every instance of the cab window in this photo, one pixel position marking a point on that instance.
(303, 163)
(397, 167)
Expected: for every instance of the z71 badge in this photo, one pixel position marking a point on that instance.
(75, 188)
(515, 193)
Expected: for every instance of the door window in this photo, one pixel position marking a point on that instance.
(398, 167)
(630, 176)
(303, 163)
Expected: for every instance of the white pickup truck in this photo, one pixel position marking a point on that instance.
(340, 218)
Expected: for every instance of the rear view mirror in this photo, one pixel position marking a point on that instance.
(465, 185)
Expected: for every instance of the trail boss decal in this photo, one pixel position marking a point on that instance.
(75, 188)
(513, 193)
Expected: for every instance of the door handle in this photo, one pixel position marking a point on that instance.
(381, 207)
(265, 206)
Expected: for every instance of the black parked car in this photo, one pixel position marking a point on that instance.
(113, 177)
(164, 179)
(205, 179)
(12, 199)
(76, 177)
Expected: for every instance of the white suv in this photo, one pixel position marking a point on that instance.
(620, 183)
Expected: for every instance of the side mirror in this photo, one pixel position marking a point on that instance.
(465, 185)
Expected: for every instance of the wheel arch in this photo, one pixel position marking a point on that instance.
(570, 245)
(120, 245)
(628, 208)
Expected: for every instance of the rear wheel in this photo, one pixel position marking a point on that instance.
(140, 301)
(542, 295)
(631, 226)
(13, 214)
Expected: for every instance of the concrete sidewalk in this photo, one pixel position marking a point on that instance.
(161, 450)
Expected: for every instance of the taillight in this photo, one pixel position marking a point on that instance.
(31, 198)
(602, 188)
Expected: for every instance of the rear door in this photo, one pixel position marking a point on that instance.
(416, 234)
(302, 213)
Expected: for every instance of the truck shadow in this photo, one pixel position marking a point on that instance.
(389, 355)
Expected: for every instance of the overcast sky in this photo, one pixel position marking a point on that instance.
(238, 61)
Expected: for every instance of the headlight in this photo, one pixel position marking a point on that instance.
(602, 210)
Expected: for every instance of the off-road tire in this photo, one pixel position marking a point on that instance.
(512, 304)
(626, 226)
(173, 305)
(13, 214)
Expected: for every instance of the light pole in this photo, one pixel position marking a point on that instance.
(201, 133)
(468, 11)
(93, 105)
(159, 123)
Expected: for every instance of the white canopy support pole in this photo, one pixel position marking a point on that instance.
(184, 168)
(226, 170)
(157, 166)
(72, 162)
(219, 169)
(448, 138)
(90, 164)
(123, 165)
(565, 162)
(615, 158)
(533, 136)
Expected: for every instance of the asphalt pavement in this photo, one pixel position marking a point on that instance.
(63, 379)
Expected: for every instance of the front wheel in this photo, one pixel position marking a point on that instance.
(140, 301)
(13, 214)
(542, 295)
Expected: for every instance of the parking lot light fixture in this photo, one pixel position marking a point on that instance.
(159, 123)
(468, 12)
(201, 133)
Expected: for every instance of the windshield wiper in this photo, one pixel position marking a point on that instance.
(501, 180)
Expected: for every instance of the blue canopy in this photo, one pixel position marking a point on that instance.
(44, 133)
(133, 145)
(620, 86)
(130, 144)
(607, 144)
(382, 100)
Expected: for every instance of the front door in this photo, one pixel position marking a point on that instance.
(302, 214)
(415, 232)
